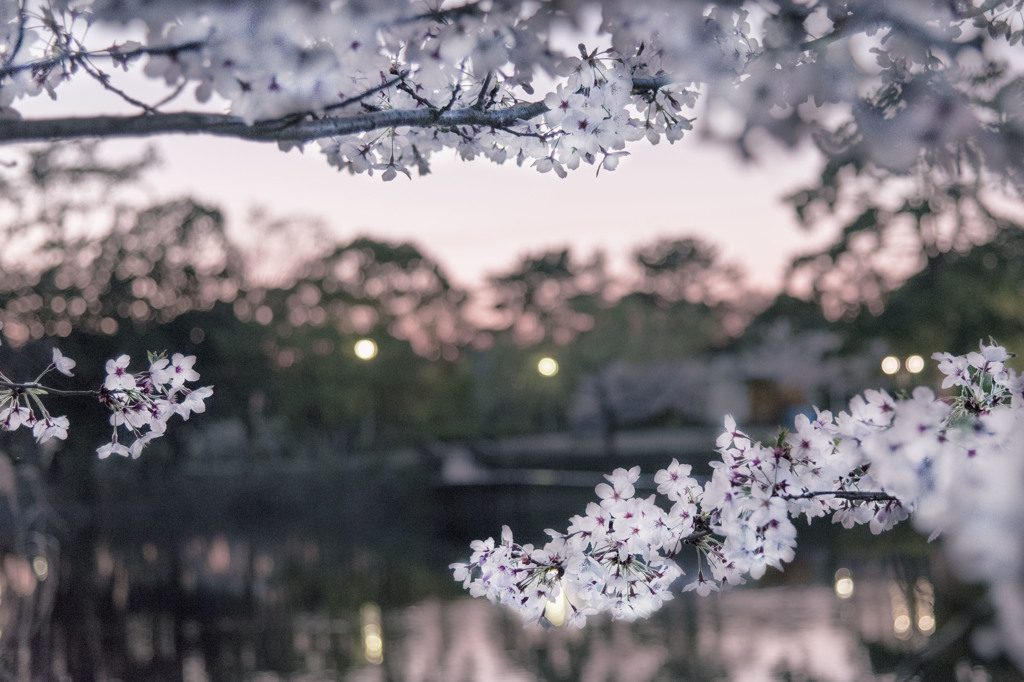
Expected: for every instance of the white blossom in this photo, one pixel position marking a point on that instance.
(878, 464)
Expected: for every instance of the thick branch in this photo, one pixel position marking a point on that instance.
(270, 131)
(653, 83)
(287, 129)
(857, 495)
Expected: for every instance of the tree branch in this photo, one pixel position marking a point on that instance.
(641, 85)
(19, 41)
(32, 386)
(285, 130)
(857, 495)
(111, 52)
(104, 80)
(295, 128)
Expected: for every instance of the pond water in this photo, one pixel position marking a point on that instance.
(314, 571)
(764, 634)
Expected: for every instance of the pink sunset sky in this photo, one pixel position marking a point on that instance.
(477, 218)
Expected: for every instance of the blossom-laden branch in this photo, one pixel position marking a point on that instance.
(289, 129)
(140, 404)
(286, 130)
(950, 464)
(385, 86)
(380, 91)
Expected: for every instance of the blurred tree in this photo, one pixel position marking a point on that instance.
(958, 299)
(537, 299)
(276, 335)
(539, 306)
(881, 243)
(686, 269)
(680, 300)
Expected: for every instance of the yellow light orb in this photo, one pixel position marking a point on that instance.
(901, 626)
(366, 349)
(555, 610)
(891, 365)
(373, 633)
(844, 584)
(547, 367)
(914, 364)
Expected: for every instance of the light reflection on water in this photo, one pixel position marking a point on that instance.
(813, 631)
(278, 577)
(743, 634)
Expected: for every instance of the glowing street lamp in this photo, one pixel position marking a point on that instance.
(914, 364)
(548, 367)
(891, 364)
(365, 349)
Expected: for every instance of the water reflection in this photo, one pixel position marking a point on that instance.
(322, 576)
(744, 634)
(759, 634)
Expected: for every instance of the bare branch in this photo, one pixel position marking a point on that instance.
(296, 128)
(104, 80)
(357, 98)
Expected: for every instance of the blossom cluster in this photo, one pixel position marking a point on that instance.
(23, 406)
(140, 403)
(281, 62)
(952, 464)
(616, 557)
(370, 64)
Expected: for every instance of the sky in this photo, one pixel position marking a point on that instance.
(477, 218)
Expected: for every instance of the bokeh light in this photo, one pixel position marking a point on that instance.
(547, 367)
(844, 583)
(891, 364)
(366, 349)
(373, 633)
(914, 364)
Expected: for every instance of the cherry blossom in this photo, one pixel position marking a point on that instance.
(118, 377)
(382, 87)
(953, 466)
(140, 404)
(62, 364)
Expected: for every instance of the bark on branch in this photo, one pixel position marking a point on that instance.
(287, 129)
(853, 495)
(226, 125)
(46, 390)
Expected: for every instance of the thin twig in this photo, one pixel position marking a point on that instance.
(177, 91)
(20, 40)
(33, 386)
(383, 86)
(111, 52)
(104, 80)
